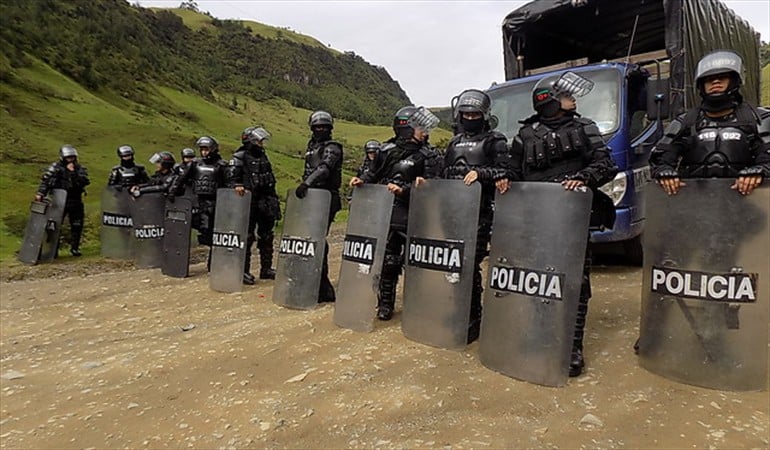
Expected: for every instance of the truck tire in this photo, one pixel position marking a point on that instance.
(633, 250)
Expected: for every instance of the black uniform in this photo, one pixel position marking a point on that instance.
(487, 153)
(323, 170)
(159, 182)
(365, 166)
(57, 176)
(127, 174)
(251, 169)
(697, 146)
(556, 149)
(399, 162)
(207, 175)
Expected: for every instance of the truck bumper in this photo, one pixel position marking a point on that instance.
(624, 229)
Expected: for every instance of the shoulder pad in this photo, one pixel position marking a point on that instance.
(675, 127)
(116, 167)
(239, 154)
(590, 129)
(387, 147)
(222, 163)
(584, 121)
(498, 135)
(333, 143)
(139, 167)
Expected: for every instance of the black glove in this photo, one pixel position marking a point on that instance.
(301, 190)
(668, 173)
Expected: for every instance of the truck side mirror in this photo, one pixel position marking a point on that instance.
(658, 98)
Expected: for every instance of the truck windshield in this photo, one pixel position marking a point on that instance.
(514, 103)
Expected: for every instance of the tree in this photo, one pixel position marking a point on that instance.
(192, 5)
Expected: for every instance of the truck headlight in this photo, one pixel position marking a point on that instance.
(616, 188)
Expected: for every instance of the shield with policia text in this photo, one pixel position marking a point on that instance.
(440, 249)
(706, 285)
(176, 240)
(41, 235)
(363, 251)
(301, 252)
(147, 213)
(539, 238)
(229, 240)
(117, 227)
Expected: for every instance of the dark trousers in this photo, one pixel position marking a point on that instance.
(76, 214)
(263, 225)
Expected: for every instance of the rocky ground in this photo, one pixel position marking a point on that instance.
(102, 355)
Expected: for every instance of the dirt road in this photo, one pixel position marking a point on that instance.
(137, 360)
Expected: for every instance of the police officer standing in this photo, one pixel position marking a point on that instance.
(163, 178)
(477, 153)
(207, 174)
(127, 173)
(250, 170)
(323, 170)
(401, 161)
(69, 175)
(557, 145)
(371, 148)
(723, 137)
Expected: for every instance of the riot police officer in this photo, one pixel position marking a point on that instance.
(723, 137)
(371, 148)
(250, 170)
(68, 174)
(558, 145)
(207, 174)
(323, 170)
(127, 173)
(401, 161)
(163, 177)
(477, 153)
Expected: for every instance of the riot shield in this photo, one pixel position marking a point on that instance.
(176, 239)
(117, 225)
(705, 297)
(362, 256)
(147, 213)
(41, 236)
(301, 253)
(228, 242)
(440, 249)
(539, 238)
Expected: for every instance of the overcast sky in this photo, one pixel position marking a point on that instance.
(434, 49)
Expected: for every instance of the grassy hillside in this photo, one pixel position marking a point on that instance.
(41, 109)
(765, 88)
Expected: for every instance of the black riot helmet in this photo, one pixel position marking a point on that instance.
(188, 153)
(372, 146)
(209, 143)
(125, 150)
(258, 136)
(245, 135)
(718, 63)
(66, 151)
(547, 92)
(165, 159)
(472, 101)
(408, 118)
(320, 118)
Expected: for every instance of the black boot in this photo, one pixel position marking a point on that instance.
(474, 323)
(249, 279)
(77, 232)
(266, 271)
(576, 362)
(386, 301)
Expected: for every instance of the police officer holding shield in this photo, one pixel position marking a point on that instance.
(127, 173)
(477, 154)
(723, 137)
(371, 148)
(163, 177)
(401, 161)
(323, 170)
(558, 145)
(250, 169)
(68, 174)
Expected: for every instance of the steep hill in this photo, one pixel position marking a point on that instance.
(110, 45)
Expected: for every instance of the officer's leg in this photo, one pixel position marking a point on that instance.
(576, 360)
(248, 278)
(265, 238)
(206, 229)
(482, 241)
(76, 215)
(326, 290)
(391, 270)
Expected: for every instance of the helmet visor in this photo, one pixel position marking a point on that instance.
(423, 118)
(570, 83)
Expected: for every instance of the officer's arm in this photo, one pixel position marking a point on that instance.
(234, 171)
(82, 177)
(516, 159)
(331, 157)
(761, 149)
(113, 179)
(664, 157)
(183, 174)
(48, 180)
(500, 166)
(601, 168)
(433, 164)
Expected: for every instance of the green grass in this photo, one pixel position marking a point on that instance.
(42, 109)
(765, 86)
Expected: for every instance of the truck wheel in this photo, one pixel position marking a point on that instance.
(633, 251)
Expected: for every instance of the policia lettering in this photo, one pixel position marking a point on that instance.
(359, 249)
(149, 232)
(298, 246)
(117, 220)
(530, 282)
(724, 287)
(444, 256)
(227, 240)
